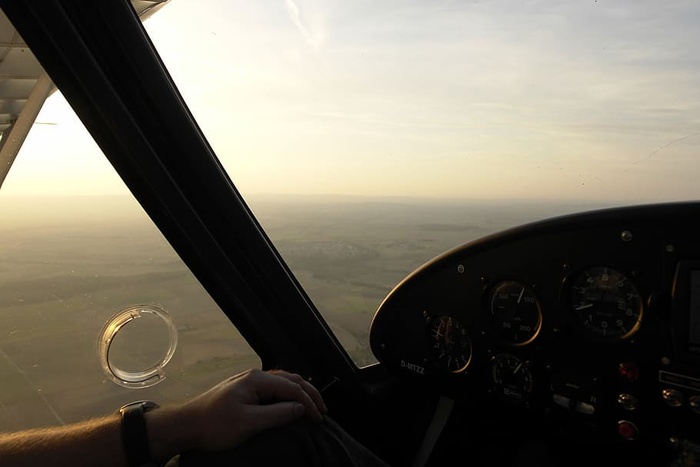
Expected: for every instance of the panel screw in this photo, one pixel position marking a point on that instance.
(626, 236)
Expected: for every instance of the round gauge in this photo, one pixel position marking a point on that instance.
(606, 303)
(516, 312)
(512, 379)
(450, 346)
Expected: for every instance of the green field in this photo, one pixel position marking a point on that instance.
(67, 265)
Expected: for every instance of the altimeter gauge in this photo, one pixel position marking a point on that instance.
(605, 303)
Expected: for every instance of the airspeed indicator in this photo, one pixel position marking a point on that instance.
(515, 311)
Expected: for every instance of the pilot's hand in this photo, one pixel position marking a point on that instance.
(233, 411)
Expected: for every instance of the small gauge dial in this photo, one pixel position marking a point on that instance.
(512, 379)
(450, 348)
(606, 303)
(516, 312)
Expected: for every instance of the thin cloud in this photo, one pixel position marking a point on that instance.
(315, 41)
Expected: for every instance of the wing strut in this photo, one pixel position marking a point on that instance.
(13, 137)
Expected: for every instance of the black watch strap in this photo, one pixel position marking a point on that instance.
(134, 434)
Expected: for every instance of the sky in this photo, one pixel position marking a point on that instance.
(576, 100)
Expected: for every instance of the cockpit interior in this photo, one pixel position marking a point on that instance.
(294, 202)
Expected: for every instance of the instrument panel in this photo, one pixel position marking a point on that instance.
(583, 328)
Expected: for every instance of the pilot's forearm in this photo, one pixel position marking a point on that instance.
(89, 443)
(95, 442)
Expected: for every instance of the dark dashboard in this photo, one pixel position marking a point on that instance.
(549, 341)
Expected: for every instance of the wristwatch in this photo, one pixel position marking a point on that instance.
(134, 434)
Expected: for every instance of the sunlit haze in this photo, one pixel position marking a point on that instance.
(576, 100)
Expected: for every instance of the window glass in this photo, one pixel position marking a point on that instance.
(371, 136)
(75, 249)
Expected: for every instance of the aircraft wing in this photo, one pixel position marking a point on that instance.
(24, 86)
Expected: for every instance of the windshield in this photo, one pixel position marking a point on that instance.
(369, 137)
